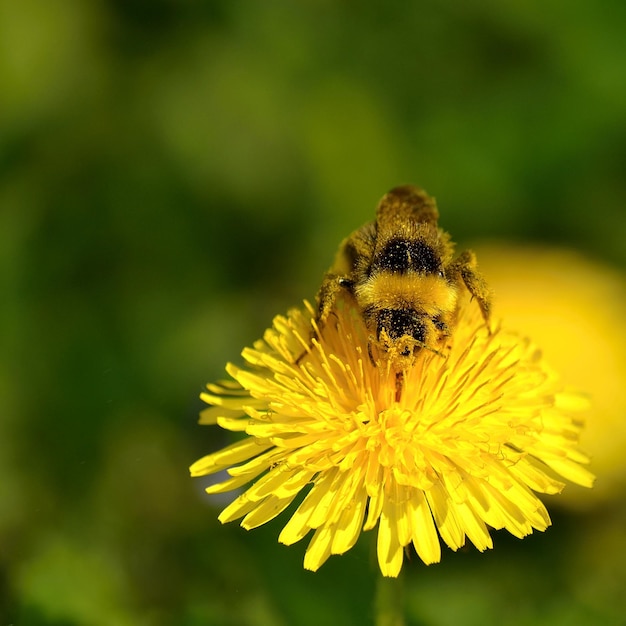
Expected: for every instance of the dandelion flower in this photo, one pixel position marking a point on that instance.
(463, 447)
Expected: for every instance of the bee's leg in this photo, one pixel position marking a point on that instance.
(327, 296)
(466, 267)
(326, 299)
(399, 385)
(373, 361)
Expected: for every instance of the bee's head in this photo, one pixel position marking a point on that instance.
(401, 326)
(400, 334)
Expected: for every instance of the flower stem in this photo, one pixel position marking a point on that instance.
(389, 603)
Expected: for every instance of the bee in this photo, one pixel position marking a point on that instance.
(400, 272)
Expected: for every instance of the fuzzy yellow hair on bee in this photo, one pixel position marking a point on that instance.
(401, 272)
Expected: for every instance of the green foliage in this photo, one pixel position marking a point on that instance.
(172, 174)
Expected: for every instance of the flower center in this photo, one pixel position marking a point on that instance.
(393, 436)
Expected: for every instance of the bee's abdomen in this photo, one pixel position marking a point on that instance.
(429, 294)
(401, 255)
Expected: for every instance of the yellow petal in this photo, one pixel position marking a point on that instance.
(318, 549)
(265, 511)
(389, 550)
(425, 538)
(233, 453)
(349, 525)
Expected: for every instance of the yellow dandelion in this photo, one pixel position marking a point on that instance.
(460, 447)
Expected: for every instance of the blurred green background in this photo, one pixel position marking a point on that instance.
(172, 174)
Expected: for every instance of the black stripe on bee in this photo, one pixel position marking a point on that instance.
(401, 255)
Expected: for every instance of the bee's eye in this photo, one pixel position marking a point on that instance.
(439, 323)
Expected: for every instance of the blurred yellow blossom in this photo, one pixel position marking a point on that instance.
(574, 309)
